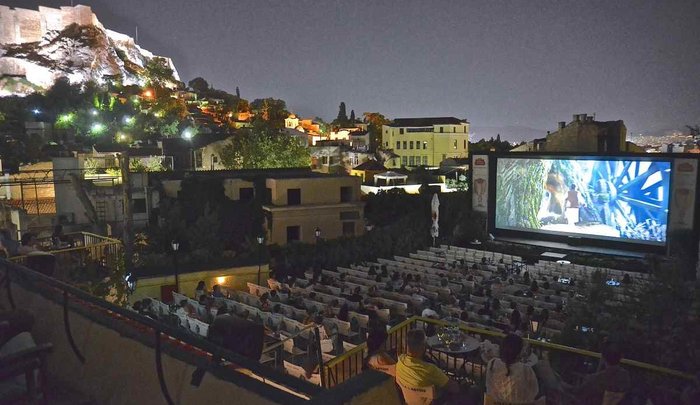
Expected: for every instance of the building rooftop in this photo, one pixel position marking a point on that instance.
(372, 165)
(426, 122)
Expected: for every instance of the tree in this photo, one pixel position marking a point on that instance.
(263, 147)
(352, 116)
(272, 110)
(199, 85)
(374, 122)
(342, 119)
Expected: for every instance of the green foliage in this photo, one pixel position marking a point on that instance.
(270, 110)
(263, 147)
(198, 85)
(495, 145)
(518, 180)
(374, 122)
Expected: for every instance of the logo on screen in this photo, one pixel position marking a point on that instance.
(685, 167)
(479, 162)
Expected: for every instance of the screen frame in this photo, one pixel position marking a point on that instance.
(578, 239)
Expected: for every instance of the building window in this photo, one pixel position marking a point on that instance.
(398, 144)
(345, 194)
(410, 145)
(198, 158)
(348, 229)
(405, 145)
(455, 144)
(441, 129)
(465, 129)
(293, 233)
(404, 160)
(386, 144)
(294, 196)
(139, 205)
(454, 129)
(465, 144)
(425, 145)
(268, 195)
(246, 193)
(400, 131)
(425, 160)
(324, 160)
(411, 161)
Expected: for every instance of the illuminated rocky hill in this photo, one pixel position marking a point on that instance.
(38, 47)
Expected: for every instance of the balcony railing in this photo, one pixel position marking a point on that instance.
(569, 362)
(85, 248)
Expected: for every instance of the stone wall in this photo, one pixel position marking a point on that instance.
(19, 25)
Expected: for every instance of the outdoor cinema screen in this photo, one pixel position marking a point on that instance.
(618, 199)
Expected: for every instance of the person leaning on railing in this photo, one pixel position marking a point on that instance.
(508, 379)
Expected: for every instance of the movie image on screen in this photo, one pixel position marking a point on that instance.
(607, 199)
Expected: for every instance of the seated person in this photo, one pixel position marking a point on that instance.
(413, 371)
(28, 244)
(274, 297)
(356, 295)
(200, 290)
(216, 292)
(610, 377)
(377, 357)
(507, 379)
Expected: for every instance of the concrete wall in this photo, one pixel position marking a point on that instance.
(19, 25)
(231, 279)
(314, 190)
(118, 370)
(583, 135)
(326, 218)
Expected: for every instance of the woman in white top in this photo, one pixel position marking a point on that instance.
(508, 379)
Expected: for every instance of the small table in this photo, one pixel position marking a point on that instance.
(461, 351)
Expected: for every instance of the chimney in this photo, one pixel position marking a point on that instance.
(575, 118)
(562, 124)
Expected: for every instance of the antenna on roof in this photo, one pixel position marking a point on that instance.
(136, 37)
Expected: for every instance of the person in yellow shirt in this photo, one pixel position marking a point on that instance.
(413, 371)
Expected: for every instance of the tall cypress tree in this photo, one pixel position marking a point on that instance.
(342, 115)
(352, 116)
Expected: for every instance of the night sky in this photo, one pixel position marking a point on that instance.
(496, 63)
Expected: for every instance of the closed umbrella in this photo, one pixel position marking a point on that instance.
(435, 208)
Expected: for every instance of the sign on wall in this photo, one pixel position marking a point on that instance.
(682, 210)
(480, 182)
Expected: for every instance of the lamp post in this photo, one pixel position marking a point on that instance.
(317, 233)
(261, 239)
(534, 326)
(176, 245)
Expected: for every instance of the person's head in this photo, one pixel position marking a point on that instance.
(464, 316)
(474, 266)
(216, 288)
(136, 306)
(277, 309)
(612, 353)
(462, 304)
(264, 297)
(183, 303)
(378, 279)
(534, 286)
(201, 286)
(511, 346)
(515, 318)
(415, 340)
(572, 187)
(443, 282)
(312, 295)
(273, 293)
(483, 260)
(547, 298)
(28, 239)
(335, 303)
(375, 340)
(626, 279)
(545, 285)
(513, 305)
(544, 315)
(357, 291)
(530, 310)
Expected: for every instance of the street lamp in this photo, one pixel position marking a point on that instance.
(317, 232)
(176, 245)
(534, 326)
(261, 239)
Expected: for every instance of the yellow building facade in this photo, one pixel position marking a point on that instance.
(425, 141)
(299, 206)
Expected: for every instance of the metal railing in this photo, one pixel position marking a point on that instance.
(569, 362)
(169, 339)
(87, 247)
